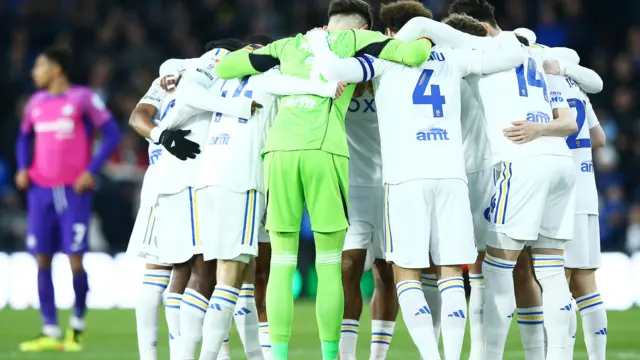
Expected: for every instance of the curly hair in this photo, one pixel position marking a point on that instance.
(466, 24)
(396, 14)
(478, 9)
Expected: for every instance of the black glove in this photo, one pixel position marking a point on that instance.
(178, 145)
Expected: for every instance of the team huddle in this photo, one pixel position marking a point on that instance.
(415, 152)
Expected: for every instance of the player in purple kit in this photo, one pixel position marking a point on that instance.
(56, 168)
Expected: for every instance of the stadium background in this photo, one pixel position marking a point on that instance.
(119, 45)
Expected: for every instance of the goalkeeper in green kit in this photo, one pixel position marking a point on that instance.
(306, 160)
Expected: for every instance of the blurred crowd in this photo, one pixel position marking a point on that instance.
(119, 44)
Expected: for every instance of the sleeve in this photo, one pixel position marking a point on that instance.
(111, 136)
(507, 54)
(412, 53)
(561, 54)
(558, 89)
(588, 80)
(592, 118)
(173, 67)
(441, 34)
(201, 73)
(95, 109)
(154, 96)
(278, 84)
(242, 62)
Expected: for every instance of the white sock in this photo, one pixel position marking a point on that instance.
(531, 325)
(55, 332)
(265, 341)
(594, 324)
(172, 314)
(556, 302)
(381, 335)
(417, 317)
(454, 317)
(246, 319)
(192, 311)
(573, 328)
(76, 323)
(432, 295)
(225, 349)
(499, 302)
(476, 302)
(217, 321)
(153, 285)
(349, 339)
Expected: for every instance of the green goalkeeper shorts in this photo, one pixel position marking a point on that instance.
(315, 177)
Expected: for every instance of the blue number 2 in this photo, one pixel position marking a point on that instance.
(436, 100)
(239, 91)
(533, 78)
(572, 140)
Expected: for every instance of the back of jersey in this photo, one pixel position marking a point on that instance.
(518, 94)
(419, 116)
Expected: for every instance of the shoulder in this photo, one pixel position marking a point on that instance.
(85, 96)
(36, 97)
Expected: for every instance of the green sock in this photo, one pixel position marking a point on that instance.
(330, 298)
(284, 256)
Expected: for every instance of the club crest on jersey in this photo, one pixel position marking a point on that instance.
(433, 134)
(538, 117)
(436, 56)
(586, 166)
(219, 139)
(367, 104)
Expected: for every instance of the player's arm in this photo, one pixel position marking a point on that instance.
(561, 53)
(102, 118)
(275, 83)
(141, 119)
(24, 146)
(442, 34)
(508, 54)
(412, 53)
(244, 62)
(597, 135)
(588, 80)
(563, 123)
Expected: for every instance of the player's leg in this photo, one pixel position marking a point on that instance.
(529, 307)
(429, 281)
(582, 254)
(325, 182)
(179, 278)
(285, 204)
(246, 313)
(452, 246)
(353, 262)
(476, 304)
(384, 309)
(74, 225)
(263, 263)
(43, 242)
(406, 237)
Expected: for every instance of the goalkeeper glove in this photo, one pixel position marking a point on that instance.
(178, 145)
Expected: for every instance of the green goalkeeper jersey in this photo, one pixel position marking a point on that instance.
(308, 122)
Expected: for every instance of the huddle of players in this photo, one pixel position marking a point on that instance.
(481, 137)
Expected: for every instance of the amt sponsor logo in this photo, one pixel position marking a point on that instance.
(434, 134)
(586, 166)
(219, 139)
(154, 155)
(538, 117)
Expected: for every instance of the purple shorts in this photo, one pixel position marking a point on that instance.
(58, 220)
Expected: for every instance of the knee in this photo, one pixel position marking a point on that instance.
(583, 282)
(75, 262)
(350, 270)
(44, 261)
(383, 275)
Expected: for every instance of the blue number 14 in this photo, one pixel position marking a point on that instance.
(436, 100)
(533, 78)
(239, 91)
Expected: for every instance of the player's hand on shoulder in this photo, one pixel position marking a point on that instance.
(84, 182)
(255, 106)
(176, 143)
(169, 82)
(523, 131)
(551, 67)
(22, 179)
(340, 89)
(317, 34)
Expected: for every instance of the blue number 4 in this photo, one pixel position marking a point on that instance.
(170, 105)
(533, 78)
(436, 100)
(239, 91)
(572, 140)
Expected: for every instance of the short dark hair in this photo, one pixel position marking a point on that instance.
(523, 40)
(478, 9)
(259, 39)
(358, 7)
(396, 14)
(230, 44)
(466, 24)
(61, 56)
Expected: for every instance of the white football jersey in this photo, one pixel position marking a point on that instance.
(474, 137)
(232, 150)
(419, 113)
(518, 94)
(155, 96)
(363, 137)
(580, 145)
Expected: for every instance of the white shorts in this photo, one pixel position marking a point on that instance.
(425, 217)
(142, 242)
(583, 252)
(480, 192)
(366, 210)
(230, 223)
(534, 196)
(176, 227)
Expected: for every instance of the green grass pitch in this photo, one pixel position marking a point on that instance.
(112, 335)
